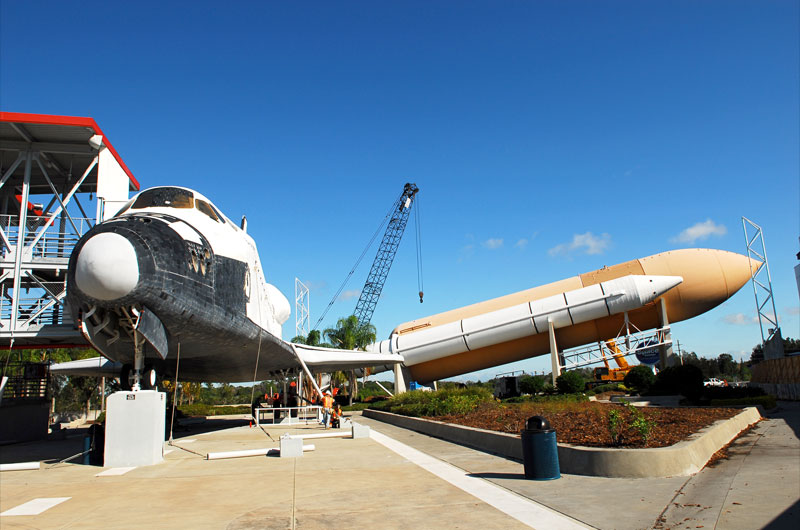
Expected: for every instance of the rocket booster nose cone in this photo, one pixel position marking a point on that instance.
(710, 277)
(650, 287)
(107, 267)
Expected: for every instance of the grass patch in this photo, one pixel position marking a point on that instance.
(440, 403)
(355, 407)
(768, 402)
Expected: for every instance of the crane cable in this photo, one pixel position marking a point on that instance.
(358, 262)
(419, 248)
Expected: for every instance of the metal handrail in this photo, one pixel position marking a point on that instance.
(593, 353)
(54, 243)
(305, 408)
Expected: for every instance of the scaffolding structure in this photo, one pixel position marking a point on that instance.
(760, 277)
(59, 176)
(623, 346)
(301, 308)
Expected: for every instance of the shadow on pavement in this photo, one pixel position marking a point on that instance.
(187, 427)
(788, 411)
(50, 450)
(517, 476)
(787, 520)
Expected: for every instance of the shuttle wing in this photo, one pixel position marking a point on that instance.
(329, 359)
(239, 369)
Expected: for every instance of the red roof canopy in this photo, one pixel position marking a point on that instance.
(70, 121)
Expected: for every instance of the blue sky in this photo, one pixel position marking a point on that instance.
(547, 138)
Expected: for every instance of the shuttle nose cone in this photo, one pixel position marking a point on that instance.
(107, 267)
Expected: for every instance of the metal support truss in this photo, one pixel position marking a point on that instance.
(762, 283)
(624, 345)
(756, 248)
(37, 240)
(302, 306)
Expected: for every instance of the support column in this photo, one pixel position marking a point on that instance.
(666, 352)
(138, 362)
(300, 376)
(554, 362)
(21, 232)
(399, 380)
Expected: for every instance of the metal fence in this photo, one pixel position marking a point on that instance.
(27, 381)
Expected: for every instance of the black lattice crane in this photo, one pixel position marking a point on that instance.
(385, 256)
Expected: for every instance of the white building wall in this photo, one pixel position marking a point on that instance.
(112, 184)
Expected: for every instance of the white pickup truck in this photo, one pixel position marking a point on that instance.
(714, 382)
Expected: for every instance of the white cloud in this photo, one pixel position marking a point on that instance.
(523, 241)
(493, 243)
(466, 252)
(350, 294)
(740, 319)
(700, 232)
(795, 310)
(316, 286)
(587, 243)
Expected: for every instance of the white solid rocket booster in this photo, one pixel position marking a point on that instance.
(529, 318)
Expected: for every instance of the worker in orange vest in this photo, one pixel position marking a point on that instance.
(327, 408)
(336, 416)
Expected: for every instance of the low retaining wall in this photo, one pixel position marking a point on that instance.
(681, 459)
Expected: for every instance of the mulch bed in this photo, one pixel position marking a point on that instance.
(587, 424)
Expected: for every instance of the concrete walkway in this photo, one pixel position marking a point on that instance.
(758, 486)
(344, 483)
(403, 480)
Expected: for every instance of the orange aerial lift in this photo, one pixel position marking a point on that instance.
(606, 374)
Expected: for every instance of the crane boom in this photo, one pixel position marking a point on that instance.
(386, 253)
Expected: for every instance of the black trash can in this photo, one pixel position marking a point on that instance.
(97, 442)
(540, 450)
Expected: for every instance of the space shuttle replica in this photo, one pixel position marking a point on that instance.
(170, 283)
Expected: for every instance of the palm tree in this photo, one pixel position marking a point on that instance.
(350, 334)
(312, 339)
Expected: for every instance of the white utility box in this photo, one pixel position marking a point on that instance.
(135, 428)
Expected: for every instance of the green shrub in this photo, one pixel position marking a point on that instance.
(560, 398)
(615, 425)
(570, 382)
(686, 380)
(640, 423)
(517, 399)
(732, 392)
(549, 388)
(640, 378)
(608, 387)
(531, 384)
(441, 403)
(768, 402)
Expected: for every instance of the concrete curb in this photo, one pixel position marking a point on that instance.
(682, 459)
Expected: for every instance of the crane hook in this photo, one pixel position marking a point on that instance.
(420, 297)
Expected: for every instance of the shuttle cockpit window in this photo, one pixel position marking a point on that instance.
(164, 198)
(207, 209)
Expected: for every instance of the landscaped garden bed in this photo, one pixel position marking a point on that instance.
(592, 424)
(576, 420)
